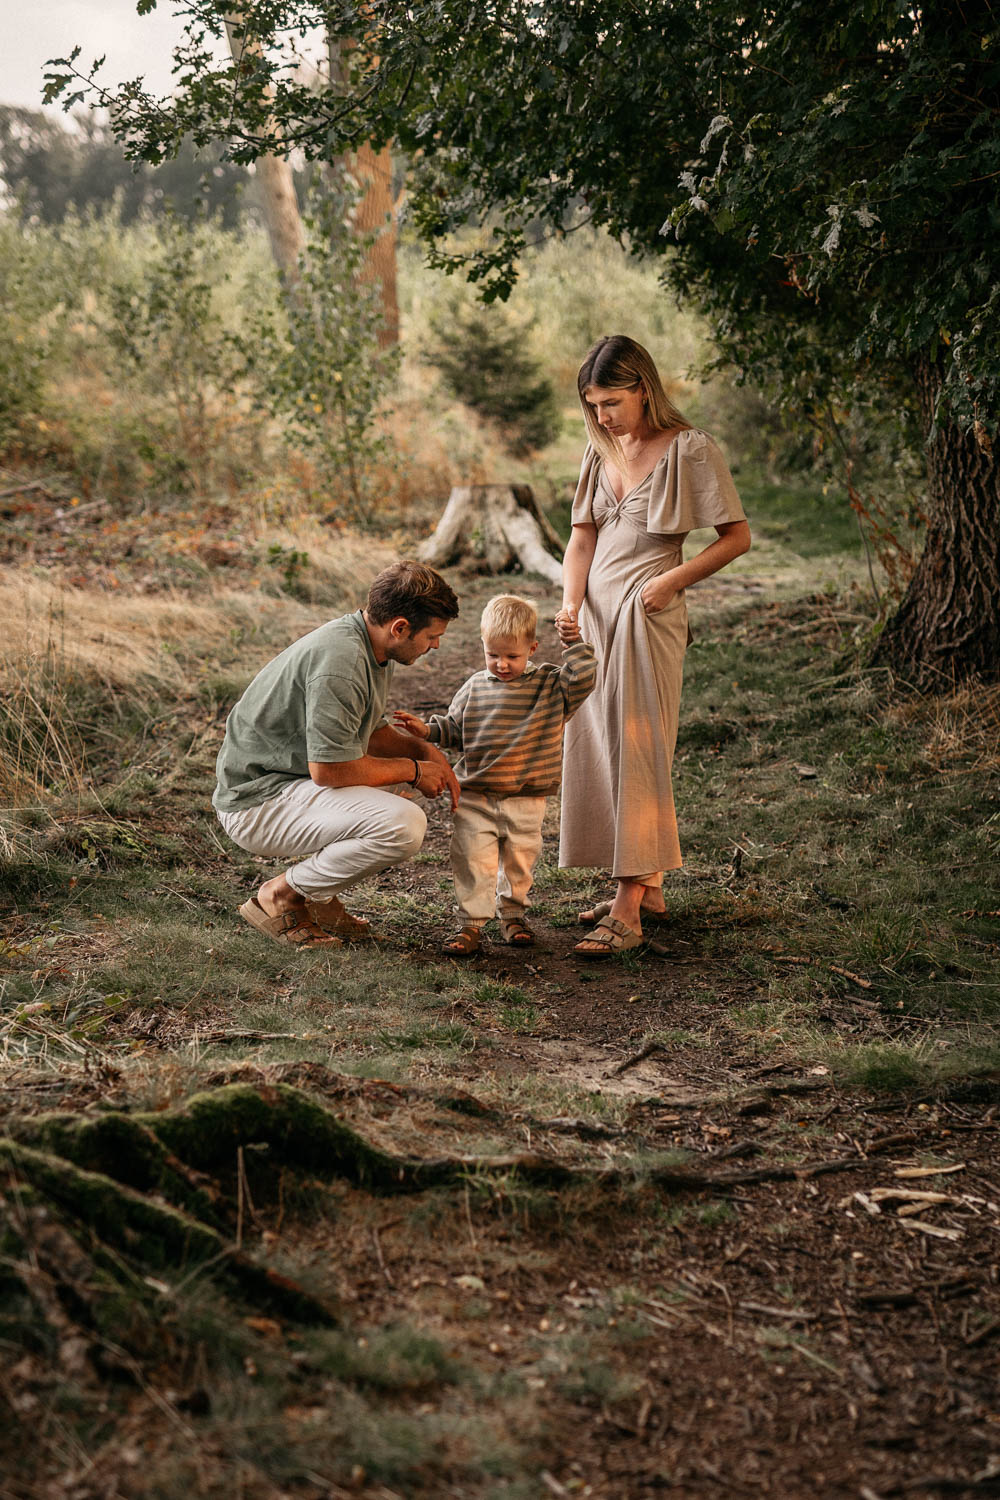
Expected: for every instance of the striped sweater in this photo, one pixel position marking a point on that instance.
(510, 733)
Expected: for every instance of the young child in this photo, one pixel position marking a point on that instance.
(508, 723)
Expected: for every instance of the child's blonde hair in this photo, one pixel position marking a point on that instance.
(509, 618)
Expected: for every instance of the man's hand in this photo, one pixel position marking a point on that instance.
(435, 777)
(410, 723)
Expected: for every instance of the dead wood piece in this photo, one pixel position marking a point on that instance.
(982, 1334)
(498, 525)
(635, 1059)
(793, 1314)
(60, 516)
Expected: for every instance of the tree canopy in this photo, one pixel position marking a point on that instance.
(825, 177)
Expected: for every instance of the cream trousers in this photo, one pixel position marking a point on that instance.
(495, 844)
(338, 835)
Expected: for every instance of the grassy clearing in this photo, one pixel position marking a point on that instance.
(836, 918)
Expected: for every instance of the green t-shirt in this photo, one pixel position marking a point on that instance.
(320, 700)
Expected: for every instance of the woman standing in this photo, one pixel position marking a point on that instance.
(648, 478)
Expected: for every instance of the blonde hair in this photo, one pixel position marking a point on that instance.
(509, 618)
(617, 362)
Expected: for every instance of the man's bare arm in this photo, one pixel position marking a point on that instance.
(392, 758)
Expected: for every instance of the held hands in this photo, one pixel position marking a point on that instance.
(657, 593)
(567, 625)
(436, 776)
(410, 723)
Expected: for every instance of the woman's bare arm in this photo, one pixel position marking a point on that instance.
(733, 540)
(576, 570)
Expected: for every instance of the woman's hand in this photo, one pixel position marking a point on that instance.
(410, 723)
(658, 592)
(567, 625)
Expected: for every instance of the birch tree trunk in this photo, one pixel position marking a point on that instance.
(275, 179)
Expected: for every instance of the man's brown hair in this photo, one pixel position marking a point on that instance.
(412, 592)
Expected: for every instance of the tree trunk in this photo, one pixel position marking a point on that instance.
(375, 216)
(948, 625)
(500, 527)
(275, 179)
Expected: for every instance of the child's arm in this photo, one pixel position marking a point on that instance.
(578, 674)
(410, 723)
(440, 729)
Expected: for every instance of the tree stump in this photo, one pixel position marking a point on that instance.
(499, 527)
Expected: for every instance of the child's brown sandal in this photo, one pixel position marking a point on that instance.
(516, 932)
(464, 943)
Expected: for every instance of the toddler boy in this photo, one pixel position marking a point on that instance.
(508, 723)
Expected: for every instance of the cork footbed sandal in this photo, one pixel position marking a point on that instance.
(294, 927)
(608, 937)
(594, 914)
(334, 917)
(464, 943)
(516, 932)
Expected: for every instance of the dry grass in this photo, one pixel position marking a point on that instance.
(75, 660)
(962, 727)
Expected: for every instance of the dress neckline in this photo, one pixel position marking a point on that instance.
(662, 459)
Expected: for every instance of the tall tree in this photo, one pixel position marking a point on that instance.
(825, 177)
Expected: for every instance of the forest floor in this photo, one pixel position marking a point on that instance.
(717, 1218)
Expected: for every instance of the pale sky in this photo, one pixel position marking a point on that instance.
(31, 33)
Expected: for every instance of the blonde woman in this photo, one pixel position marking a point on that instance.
(648, 478)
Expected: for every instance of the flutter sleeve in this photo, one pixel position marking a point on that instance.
(692, 487)
(583, 500)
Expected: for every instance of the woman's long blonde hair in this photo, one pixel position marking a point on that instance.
(617, 362)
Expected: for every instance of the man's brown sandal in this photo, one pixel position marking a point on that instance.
(464, 943)
(608, 937)
(333, 917)
(295, 927)
(516, 932)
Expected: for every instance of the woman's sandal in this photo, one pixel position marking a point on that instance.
(595, 914)
(516, 932)
(608, 937)
(464, 943)
(295, 927)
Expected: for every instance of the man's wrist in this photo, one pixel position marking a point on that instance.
(416, 770)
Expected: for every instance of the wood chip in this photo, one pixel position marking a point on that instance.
(936, 1230)
(865, 984)
(929, 1171)
(910, 1195)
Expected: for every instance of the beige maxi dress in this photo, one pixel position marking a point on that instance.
(617, 798)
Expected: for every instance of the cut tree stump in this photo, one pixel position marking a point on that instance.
(499, 527)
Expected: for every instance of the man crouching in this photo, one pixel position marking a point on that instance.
(308, 755)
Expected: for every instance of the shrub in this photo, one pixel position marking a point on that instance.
(485, 361)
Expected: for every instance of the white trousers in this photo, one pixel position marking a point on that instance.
(495, 844)
(338, 835)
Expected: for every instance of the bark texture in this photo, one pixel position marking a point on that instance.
(947, 627)
(373, 170)
(499, 527)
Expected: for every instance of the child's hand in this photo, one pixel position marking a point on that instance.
(410, 723)
(568, 626)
